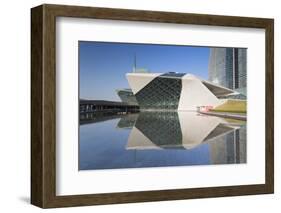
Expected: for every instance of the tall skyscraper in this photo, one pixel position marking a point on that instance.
(228, 68)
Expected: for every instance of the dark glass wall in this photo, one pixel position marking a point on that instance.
(162, 93)
(162, 128)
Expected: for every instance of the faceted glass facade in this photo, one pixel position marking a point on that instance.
(162, 93)
(169, 135)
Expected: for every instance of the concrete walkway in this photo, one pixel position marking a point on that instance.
(226, 115)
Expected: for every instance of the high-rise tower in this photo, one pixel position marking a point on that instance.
(228, 68)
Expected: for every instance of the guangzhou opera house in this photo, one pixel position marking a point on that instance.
(175, 91)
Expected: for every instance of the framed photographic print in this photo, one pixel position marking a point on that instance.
(136, 106)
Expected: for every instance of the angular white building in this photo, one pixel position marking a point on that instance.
(177, 130)
(175, 91)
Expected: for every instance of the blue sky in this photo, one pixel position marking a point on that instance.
(103, 65)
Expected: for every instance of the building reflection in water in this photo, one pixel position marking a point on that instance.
(187, 130)
(153, 139)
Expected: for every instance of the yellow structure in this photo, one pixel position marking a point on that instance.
(232, 105)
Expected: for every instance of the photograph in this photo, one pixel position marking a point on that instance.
(145, 105)
(161, 105)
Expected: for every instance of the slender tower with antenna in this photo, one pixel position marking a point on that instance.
(135, 63)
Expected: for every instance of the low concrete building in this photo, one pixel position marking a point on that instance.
(127, 96)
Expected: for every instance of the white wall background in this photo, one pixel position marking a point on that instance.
(15, 104)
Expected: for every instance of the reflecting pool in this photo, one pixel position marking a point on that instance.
(156, 139)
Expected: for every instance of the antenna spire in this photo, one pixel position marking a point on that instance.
(135, 63)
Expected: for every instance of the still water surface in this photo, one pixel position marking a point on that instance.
(150, 139)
